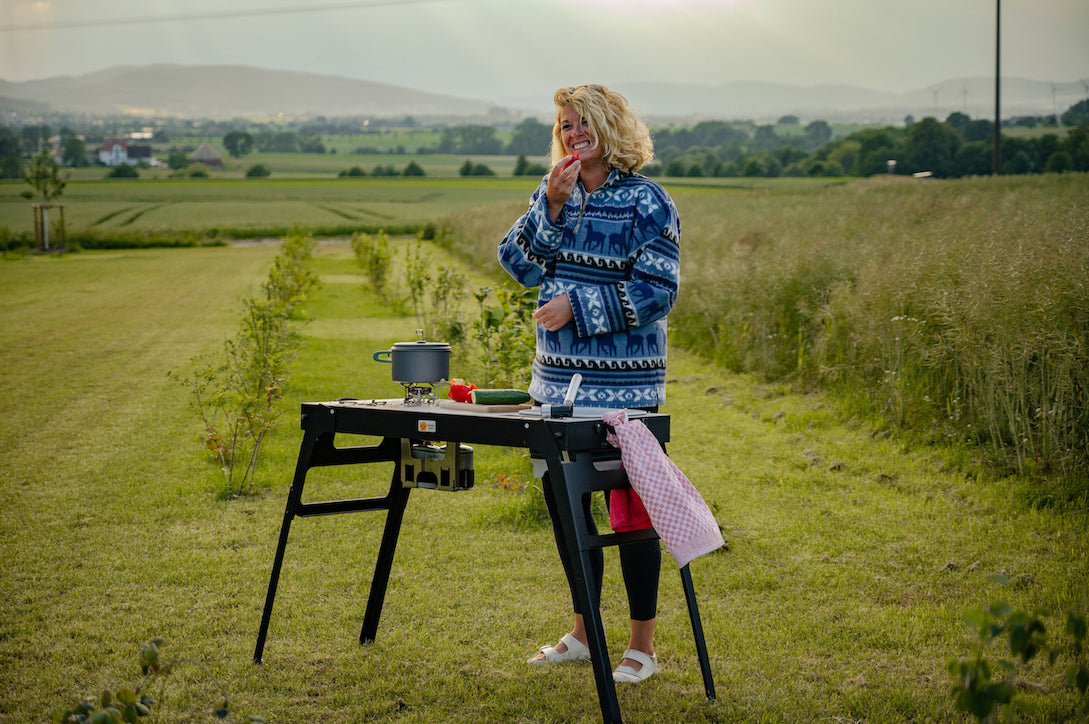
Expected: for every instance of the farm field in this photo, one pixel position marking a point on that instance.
(149, 204)
(852, 557)
(196, 204)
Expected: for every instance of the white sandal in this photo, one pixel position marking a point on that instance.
(629, 675)
(576, 651)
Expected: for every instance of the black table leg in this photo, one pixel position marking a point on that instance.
(595, 640)
(697, 632)
(294, 496)
(570, 483)
(398, 499)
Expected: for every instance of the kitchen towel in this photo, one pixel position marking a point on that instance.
(677, 511)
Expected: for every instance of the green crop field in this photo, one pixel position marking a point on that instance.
(228, 205)
(200, 204)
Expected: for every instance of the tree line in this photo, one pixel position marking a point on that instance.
(958, 146)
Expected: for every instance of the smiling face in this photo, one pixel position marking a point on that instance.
(600, 125)
(576, 135)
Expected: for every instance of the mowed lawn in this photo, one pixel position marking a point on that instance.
(851, 557)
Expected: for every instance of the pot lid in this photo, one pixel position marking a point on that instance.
(421, 345)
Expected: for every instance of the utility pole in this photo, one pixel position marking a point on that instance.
(997, 88)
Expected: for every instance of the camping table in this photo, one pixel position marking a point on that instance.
(568, 445)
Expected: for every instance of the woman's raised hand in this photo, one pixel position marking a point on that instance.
(561, 184)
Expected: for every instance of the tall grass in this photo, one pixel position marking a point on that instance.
(979, 327)
(956, 308)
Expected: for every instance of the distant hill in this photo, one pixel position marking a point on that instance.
(225, 91)
(767, 102)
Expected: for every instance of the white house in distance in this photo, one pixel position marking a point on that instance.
(116, 151)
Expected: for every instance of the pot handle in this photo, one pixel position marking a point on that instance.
(387, 358)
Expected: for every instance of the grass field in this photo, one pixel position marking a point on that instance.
(851, 557)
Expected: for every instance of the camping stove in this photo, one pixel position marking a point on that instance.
(421, 393)
(438, 466)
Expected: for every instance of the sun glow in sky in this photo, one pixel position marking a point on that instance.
(500, 50)
(657, 6)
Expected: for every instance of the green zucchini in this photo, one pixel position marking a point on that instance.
(500, 397)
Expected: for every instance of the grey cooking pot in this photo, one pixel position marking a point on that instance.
(419, 361)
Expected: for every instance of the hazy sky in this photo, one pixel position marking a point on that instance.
(490, 49)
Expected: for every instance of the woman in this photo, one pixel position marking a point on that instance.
(602, 243)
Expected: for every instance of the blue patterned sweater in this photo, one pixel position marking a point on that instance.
(616, 252)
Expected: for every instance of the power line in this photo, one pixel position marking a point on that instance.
(221, 15)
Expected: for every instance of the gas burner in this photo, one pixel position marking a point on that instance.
(420, 393)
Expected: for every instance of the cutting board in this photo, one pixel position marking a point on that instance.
(472, 407)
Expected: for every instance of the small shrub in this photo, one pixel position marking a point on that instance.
(11, 243)
(373, 255)
(123, 170)
(976, 688)
(258, 170)
(353, 172)
(475, 169)
(506, 335)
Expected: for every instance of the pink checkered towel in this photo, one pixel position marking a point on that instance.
(676, 509)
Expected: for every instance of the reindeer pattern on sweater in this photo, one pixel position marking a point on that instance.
(615, 252)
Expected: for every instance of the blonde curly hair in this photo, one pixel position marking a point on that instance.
(624, 139)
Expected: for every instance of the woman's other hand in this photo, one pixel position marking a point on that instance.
(555, 313)
(561, 183)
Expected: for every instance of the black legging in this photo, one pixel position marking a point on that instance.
(640, 563)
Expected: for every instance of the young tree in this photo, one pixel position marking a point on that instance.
(43, 173)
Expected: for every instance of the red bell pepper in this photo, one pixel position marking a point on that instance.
(460, 390)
